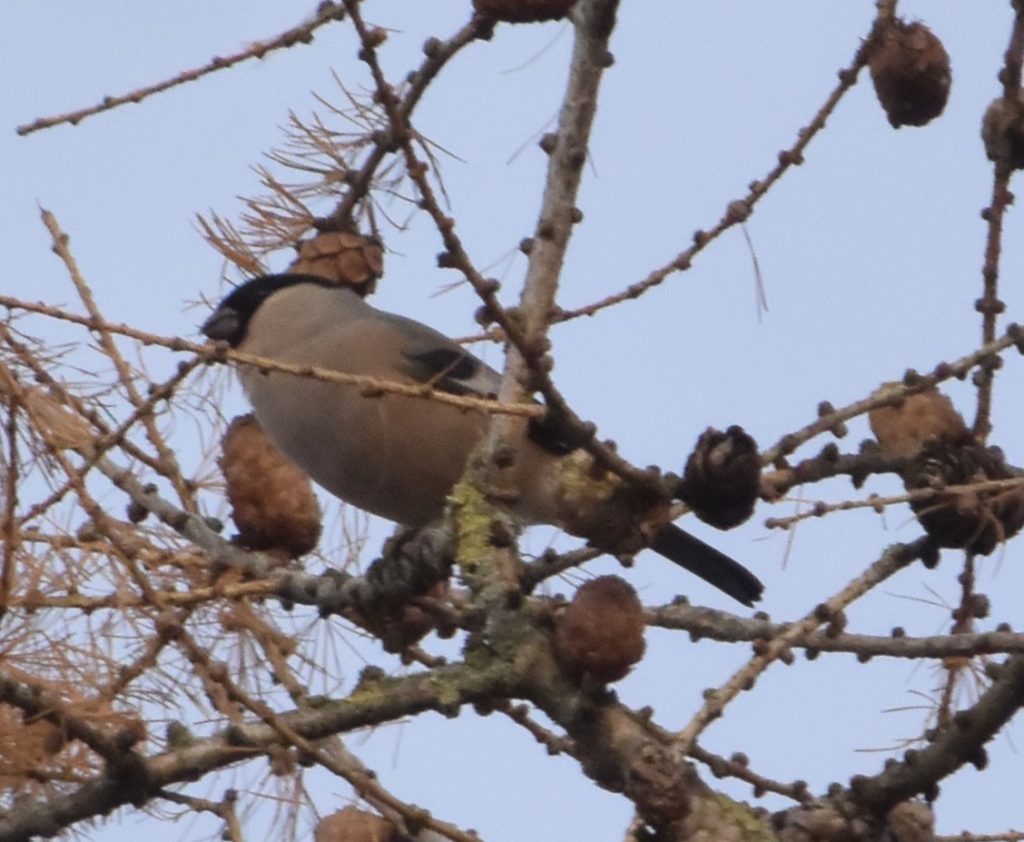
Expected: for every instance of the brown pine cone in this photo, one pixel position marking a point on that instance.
(977, 521)
(929, 416)
(272, 500)
(910, 70)
(348, 259)
(354, 825)
(600, 634)
(722, 477)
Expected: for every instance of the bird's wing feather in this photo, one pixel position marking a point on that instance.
(431, 357)
(452, 370)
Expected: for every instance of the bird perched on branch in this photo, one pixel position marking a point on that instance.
(399, 456)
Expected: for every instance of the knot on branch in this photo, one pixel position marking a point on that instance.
(413, 565)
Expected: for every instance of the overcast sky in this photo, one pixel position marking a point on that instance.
(870, 255)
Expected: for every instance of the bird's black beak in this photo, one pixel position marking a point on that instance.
(223, 324)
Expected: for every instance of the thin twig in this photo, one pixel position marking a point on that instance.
(738, 210)
(219, 352)
(820, 508)
(438, 54)
(913, 383)
(989, 305)
(711, 624)
(894, 559)
(165, 455)
(326, 12)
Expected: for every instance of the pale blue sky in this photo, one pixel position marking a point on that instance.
(870, 254)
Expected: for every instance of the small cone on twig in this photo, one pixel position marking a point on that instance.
(600, 634)
(977, 521)
(272, 500)
(722, 478)
(354, 825)
(347, 259)
(911, 73)
(911, 821)
(940, 451)
(1002, 131)
(906, 427)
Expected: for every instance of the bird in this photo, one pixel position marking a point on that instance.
(393, 455)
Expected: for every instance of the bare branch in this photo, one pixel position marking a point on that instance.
(779, 647)
(326, 12)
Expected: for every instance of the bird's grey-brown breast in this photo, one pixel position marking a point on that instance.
(391, 455)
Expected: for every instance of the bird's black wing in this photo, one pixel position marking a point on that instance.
(452, 369)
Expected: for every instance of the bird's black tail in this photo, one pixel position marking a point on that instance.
(705, 561)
